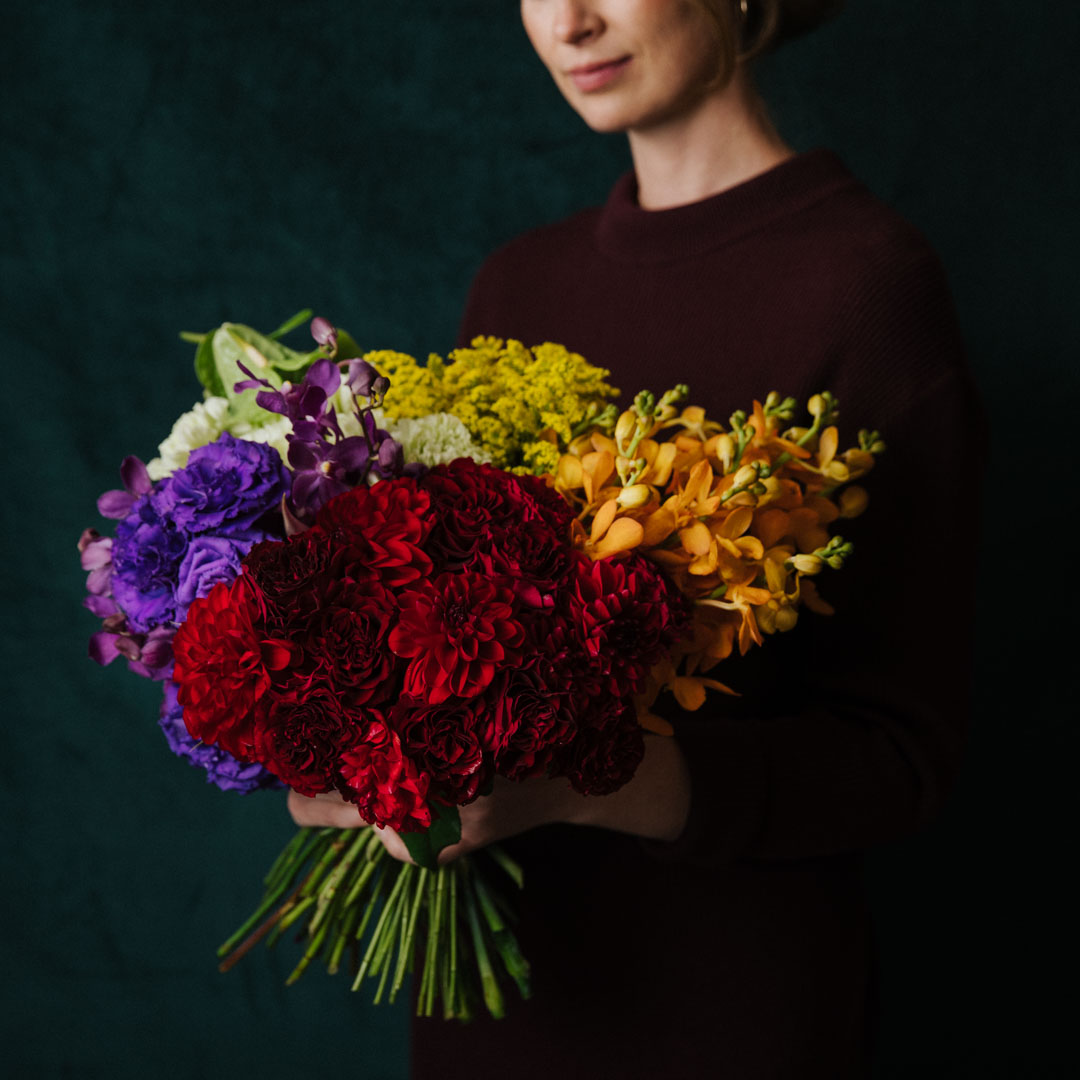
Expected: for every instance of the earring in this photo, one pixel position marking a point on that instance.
(744, 9)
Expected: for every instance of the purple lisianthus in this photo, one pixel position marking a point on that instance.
(146, 554)
(221, 768)
(209, 560)
(226, 487)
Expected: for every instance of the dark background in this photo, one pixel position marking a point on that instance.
(168, 166)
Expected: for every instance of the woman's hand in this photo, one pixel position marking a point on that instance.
(654, 805)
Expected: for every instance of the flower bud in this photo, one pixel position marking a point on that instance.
(807, 564)
(624, 427)
(786, 618)
(746, 475)
(630, 498)
(817, 406)
(725, 449)
(323, 332)
(853, 501)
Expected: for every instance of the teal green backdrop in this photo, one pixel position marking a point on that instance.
(167, 166)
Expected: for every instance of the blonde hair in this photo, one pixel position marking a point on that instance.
(765, 25)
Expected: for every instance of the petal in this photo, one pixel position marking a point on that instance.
(115, 504)
(135, 477)
(103, 648)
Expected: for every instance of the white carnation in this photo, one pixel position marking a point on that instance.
(272, 433)
(202, 425)
(435, 439)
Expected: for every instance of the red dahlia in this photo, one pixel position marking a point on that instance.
(459, 629)
(379, 530)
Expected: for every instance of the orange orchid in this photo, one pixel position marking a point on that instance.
(738, 519)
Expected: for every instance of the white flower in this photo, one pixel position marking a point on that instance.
(272, 433)
(435, 439)
(202, 425)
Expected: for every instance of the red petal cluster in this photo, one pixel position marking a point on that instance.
(459, 599)
(224, 664)
(385, 785)
(459, 629)
(380, 530)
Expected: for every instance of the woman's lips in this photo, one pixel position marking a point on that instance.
(596, 76)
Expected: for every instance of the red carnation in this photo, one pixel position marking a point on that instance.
(460, 629)
(607, 748)
(442, 740)
(300, 741)
(528, 721)
(223, 665)
(349, 642)
(478, 506)
(286, 572)
(379, 530)
(383, 783)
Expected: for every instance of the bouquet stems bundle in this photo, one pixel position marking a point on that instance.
(351, 902)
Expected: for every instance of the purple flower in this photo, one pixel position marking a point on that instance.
(225, 487)
(221, 768)
(211, 559)
(118, 504)
(324, 333)
(322, 470)
(305, 402)
(146, 554)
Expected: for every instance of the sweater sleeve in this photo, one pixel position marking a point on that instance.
(869, 736)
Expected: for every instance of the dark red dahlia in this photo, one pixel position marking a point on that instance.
(348, 643)
(300, 741)
(535, 560)
(527, 721)
(459, 629)
(378, 531)
(289, 573)
(477, 507)
(607, 748)
(384, 784)
(629, 617)
(224, 664)
(443, 741)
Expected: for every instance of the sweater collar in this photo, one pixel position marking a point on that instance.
(625, 231)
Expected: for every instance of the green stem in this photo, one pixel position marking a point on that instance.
(283, 861)
(329, 891)
(370, 953)
(405, 955)
(493, 998)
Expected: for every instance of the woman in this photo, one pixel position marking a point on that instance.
(708, 919)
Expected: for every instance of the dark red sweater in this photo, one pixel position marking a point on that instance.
(741, 951)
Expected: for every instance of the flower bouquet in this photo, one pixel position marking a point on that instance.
(488, 572)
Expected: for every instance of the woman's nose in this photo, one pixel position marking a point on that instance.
(576, 21)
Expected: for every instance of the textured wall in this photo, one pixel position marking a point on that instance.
(167, 166)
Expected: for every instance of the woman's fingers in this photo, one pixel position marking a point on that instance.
(328, 810)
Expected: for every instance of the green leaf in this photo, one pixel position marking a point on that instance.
(205, 368)
(230, 351)
(445, 830)
(264, 350)
(347, 348)
(290, 324)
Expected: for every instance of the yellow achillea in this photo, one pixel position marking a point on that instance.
(522, 405)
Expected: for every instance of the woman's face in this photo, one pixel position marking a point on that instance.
(624, 65)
